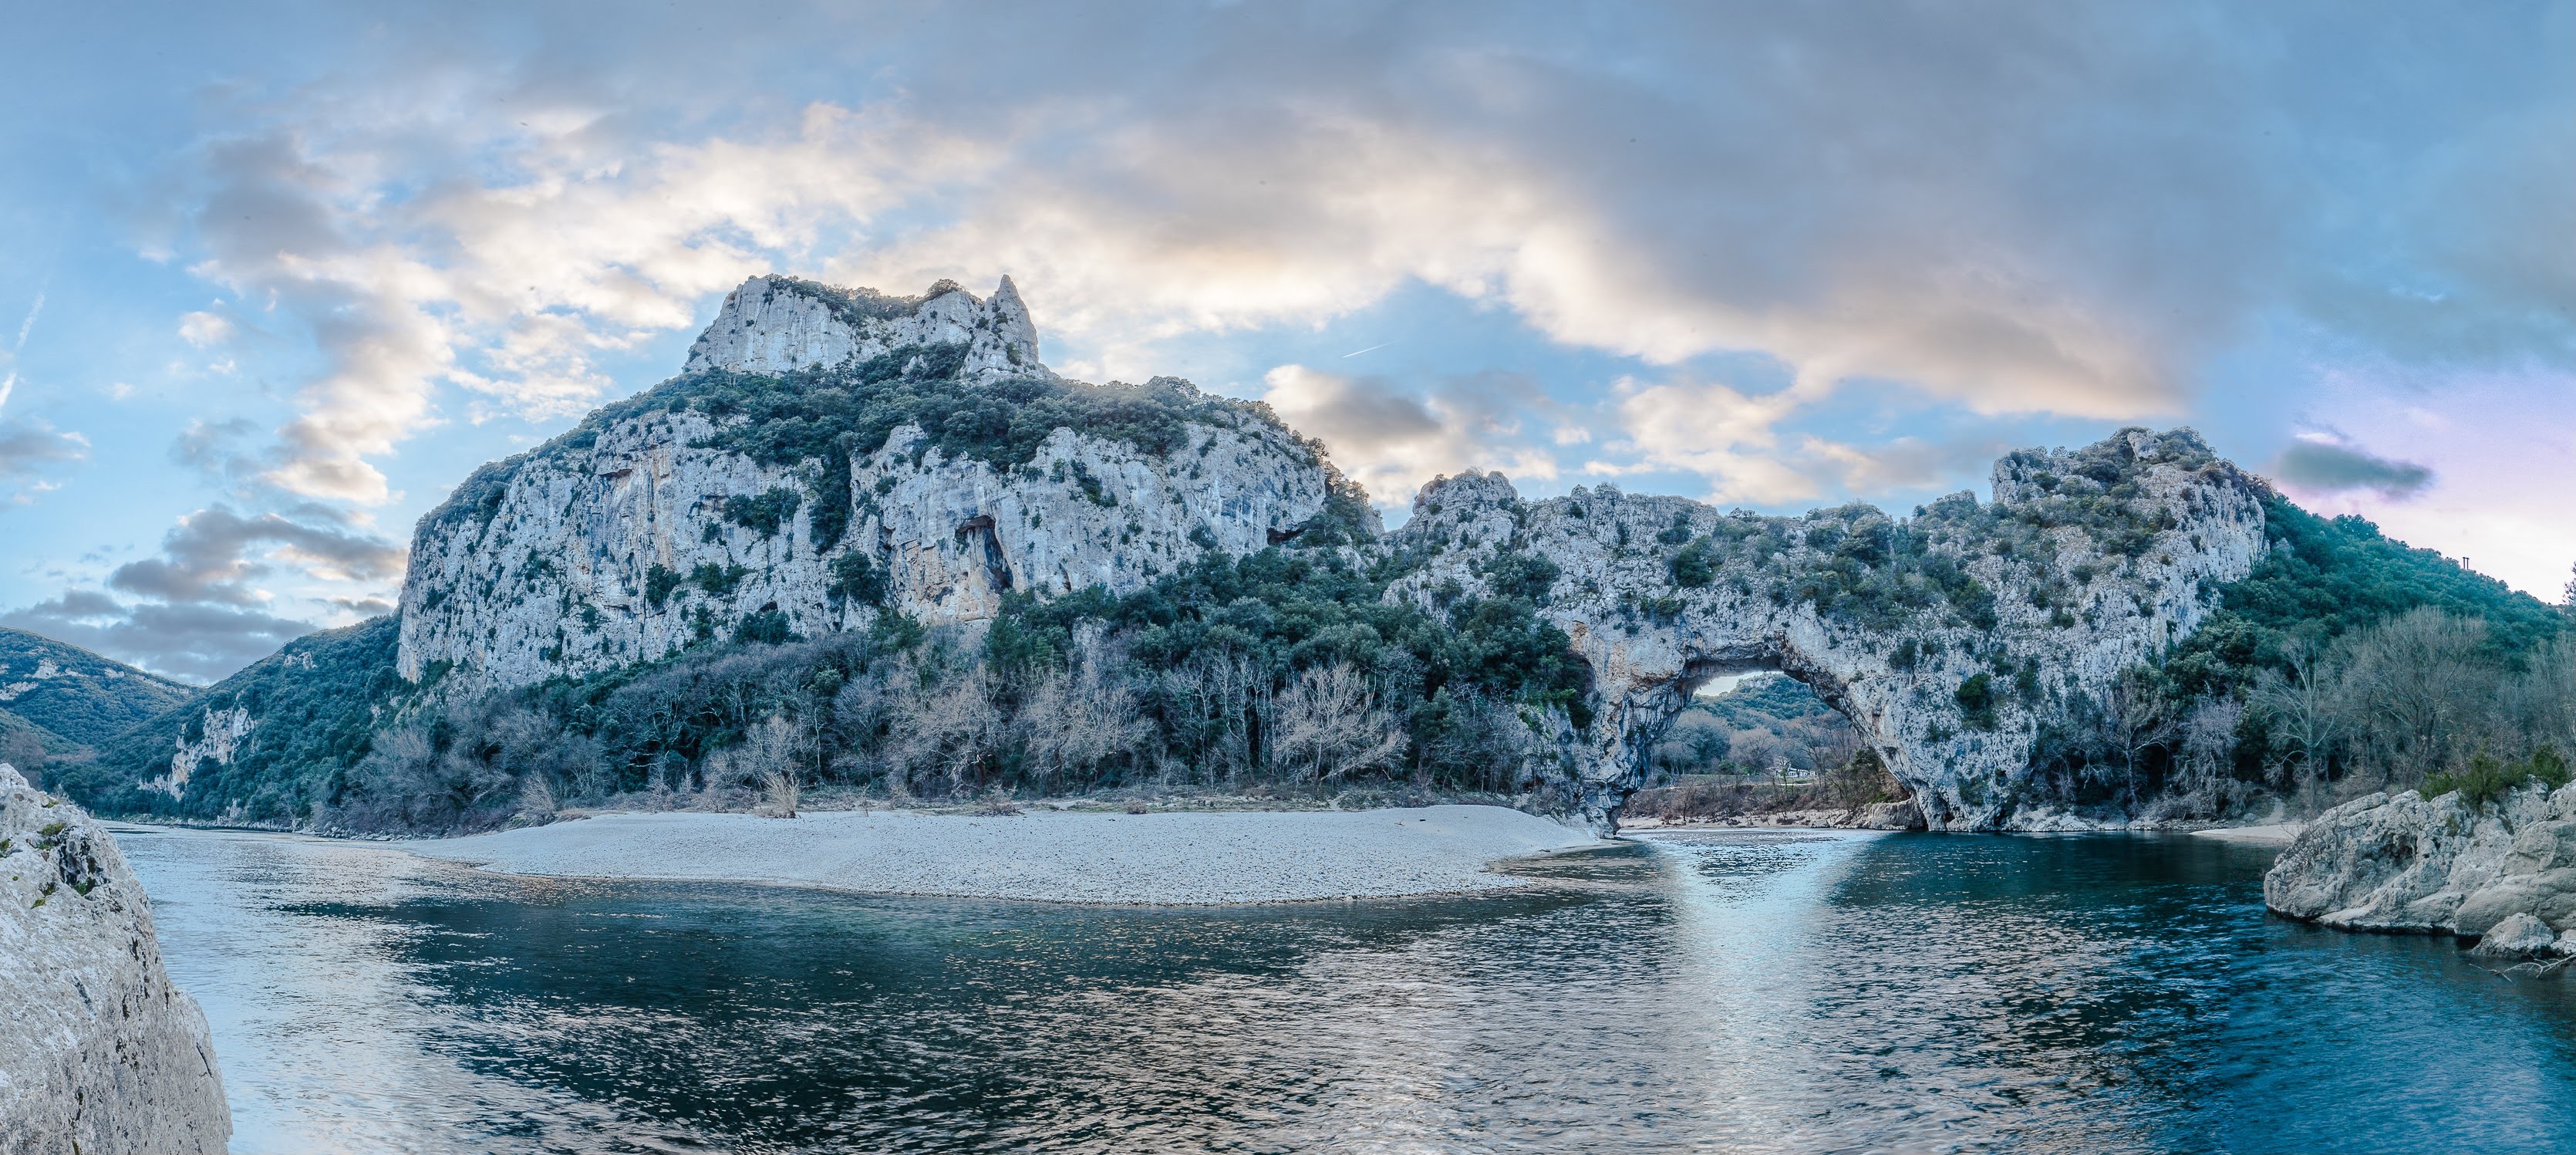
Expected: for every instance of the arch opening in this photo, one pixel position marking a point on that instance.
(1746, 740)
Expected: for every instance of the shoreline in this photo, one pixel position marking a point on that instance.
(1206, 858)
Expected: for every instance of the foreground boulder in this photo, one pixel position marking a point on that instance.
(99, 1052)
(2435, 866)
(2519, 936)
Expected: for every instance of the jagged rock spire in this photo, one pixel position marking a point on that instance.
(775, 324)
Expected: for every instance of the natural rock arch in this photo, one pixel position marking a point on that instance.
(1949, 638)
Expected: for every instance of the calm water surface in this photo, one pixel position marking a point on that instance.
(1712, 993)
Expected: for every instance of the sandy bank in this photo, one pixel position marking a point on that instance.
(1178, 859)
(2279, 834)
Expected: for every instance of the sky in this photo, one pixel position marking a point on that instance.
(274, 277)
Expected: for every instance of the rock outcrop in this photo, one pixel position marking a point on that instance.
(833, 456)
(1952, 640)
(99, 1053)
(2406, 863)
(637, 536)
(780, 324)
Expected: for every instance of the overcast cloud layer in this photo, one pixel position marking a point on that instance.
(282, 293)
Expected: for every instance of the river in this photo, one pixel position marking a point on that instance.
(1745, 992)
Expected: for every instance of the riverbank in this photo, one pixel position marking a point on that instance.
(2272, 834)
(1175, 859)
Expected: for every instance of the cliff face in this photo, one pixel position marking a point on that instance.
(101, 1053)
(636, 538)
(1950, 640)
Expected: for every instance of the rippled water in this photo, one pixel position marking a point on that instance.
(1731, 992)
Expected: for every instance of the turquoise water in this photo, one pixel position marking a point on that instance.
(1716, 993)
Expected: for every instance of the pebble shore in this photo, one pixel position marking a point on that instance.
(1180, 859)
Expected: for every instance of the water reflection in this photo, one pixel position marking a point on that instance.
(1715, 992)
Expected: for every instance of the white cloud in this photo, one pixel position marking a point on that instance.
(1391, 441)
(203, 329)
(1718, 433)
(2092, 208)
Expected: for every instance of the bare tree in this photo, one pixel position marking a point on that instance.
(2136, 719)
(2308, 706)
(1072, 721)
(1330, 724)
(1487, 740)
(2423, 688)
(2541, 699)
(2208, 743)
(1222, 706)
(949, 726)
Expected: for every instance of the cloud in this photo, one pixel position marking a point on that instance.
(209, 558)
(2098, 200)
(28, 445)
(1716, 432)
(203, 329)
(197, 641)
(2325, 467)
(1902, 463)
(1392, 441)
(205, 604)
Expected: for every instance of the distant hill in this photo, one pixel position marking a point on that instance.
(317, 697)
(76, 694)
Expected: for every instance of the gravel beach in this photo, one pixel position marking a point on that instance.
(2277, 834)
(1182, 859)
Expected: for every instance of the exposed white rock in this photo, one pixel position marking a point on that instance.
(2407, 863)
(219, 738)
(587, 556)
(2066, 623)
(2519, 936)
(98, 1052)
(781, 324)
(616, 545)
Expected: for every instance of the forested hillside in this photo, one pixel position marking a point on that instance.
(75, 693)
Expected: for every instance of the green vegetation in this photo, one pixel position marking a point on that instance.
(765, 514)
(2344, 662)
(315, 703)
(1976, 698)
(2486, 778)
(856, 578)
(88, 700)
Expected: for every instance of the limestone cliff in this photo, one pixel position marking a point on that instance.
(1951, 640)
(836, 457)
(681, 518)
(100, 1053)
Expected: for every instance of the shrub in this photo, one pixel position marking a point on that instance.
(1695, 566)
(659, 581)
(2487, 778)
(1976, 698)
(764, 514)
(856, 579)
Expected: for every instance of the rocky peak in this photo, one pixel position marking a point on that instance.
(775, 324)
